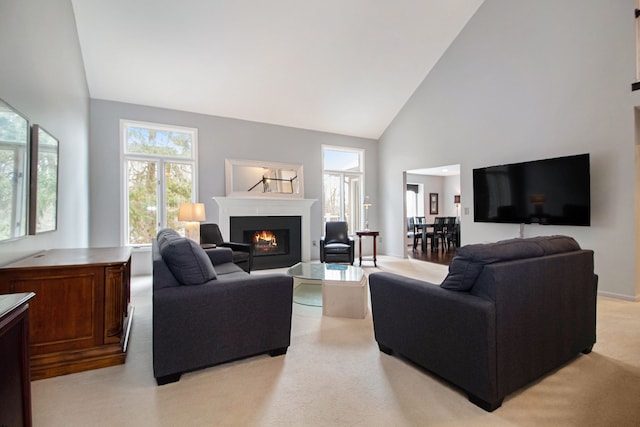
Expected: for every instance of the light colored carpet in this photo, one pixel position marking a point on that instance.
(334, 375)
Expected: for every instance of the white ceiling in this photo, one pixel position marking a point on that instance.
(341, 66)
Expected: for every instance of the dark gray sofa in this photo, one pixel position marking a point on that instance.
(506, 314)
(207, 310)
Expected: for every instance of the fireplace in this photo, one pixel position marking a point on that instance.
(276, 240)
(228, 207)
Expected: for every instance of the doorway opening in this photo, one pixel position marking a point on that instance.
(432, 193)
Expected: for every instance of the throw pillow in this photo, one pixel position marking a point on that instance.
(187, 261)
(166, 235)
(462, 274)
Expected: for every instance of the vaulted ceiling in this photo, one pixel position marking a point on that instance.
(341, 66)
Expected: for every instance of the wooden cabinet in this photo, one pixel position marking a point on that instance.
(15, 383)
(80, 317)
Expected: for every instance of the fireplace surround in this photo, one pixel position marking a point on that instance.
(247, 206)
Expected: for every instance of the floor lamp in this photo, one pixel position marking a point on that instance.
(192, 214)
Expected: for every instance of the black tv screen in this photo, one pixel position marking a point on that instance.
(552, 191)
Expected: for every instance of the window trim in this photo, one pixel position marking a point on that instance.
(161, 160)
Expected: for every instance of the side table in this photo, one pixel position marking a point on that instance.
(373, 234)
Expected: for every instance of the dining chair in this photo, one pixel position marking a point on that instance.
(412, 232)
(439, 227)
(451, 232)
(418, 232)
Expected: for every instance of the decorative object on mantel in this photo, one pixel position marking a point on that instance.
(262, 179)
(193, 214)
(266, 184)
(367, 204)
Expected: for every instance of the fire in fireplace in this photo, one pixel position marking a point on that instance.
(268, 242)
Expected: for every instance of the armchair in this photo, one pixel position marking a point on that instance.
(242, 252)
(336, 245)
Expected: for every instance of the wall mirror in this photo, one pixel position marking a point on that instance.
(14, 163)
(251, 178)
(43, 199)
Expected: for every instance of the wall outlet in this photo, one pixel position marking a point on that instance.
(466, 211)
(314, 243)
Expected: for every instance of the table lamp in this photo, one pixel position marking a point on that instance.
(367, 204)
(192, 214)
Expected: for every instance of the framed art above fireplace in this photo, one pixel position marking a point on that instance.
(254, 178)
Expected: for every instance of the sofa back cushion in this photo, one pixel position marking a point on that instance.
(556, 244)
(186, 260)
(469, 261)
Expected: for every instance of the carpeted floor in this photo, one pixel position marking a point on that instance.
(334, 375)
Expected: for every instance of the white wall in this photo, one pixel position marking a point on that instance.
(42, 75)
(445, 186)
(451, 188)
(523, 81)
(218, 138)
(430, 184)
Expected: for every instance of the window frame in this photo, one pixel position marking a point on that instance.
(161, 161)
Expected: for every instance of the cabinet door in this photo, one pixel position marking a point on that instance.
(15, 388)
(67, 311)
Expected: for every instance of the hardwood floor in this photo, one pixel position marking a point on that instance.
(439, 257)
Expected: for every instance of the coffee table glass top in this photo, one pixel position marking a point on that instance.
(325, 271)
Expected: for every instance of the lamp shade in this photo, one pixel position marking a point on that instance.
(191, 212)
(456, 199)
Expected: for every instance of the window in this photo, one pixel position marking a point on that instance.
(159, 173)
(343, 184)
(414, 195)
(14, 137)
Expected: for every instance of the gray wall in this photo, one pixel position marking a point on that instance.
(42, 75)
(218, 138)
(523, 81)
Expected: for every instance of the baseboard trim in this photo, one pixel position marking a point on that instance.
(618, 296)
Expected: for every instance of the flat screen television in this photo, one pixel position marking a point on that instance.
(552, 191)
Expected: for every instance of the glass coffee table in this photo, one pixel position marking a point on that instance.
(341, 290)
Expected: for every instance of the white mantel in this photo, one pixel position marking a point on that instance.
(246, 206)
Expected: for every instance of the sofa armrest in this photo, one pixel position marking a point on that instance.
(205, 303)
(242, 247)
(450, 333)
(219, 255)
